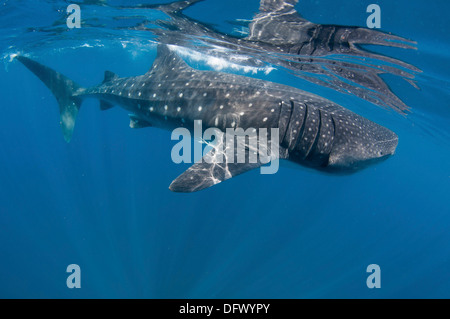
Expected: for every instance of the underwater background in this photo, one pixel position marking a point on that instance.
(103, 202)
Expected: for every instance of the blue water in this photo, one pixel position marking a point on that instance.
(103, 202)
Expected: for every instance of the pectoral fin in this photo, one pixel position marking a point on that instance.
(202, 175)
(277, 5)
(105, 105)
(217, 166)
(136, 122)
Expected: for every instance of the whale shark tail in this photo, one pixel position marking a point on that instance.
(64, 89)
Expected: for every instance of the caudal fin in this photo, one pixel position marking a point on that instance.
(63, 89)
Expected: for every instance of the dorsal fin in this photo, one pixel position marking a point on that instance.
(168, 59)
(176, 6)
(277, 5)
(276, 23)
(109, 76)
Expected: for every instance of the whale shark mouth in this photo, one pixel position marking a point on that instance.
(377, 152)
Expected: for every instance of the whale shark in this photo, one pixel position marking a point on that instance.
(313, 131)
(327, 55)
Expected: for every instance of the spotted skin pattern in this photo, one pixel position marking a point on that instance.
(313, 131)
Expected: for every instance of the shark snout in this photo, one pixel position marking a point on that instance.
(386, 147)
(364, 153)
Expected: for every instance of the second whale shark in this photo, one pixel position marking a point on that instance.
(313, 131)
(325, 54)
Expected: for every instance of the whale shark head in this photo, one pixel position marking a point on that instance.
(374, 143)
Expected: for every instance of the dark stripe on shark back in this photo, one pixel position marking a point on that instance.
(327, 137)
(309, 134)
(308, 48)
(310, 131)
(321, 37)
(295, 127)
(284, 121)
(302, 128)
(312, 149)
(330, 41)
(297, 143)
(323, 143)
